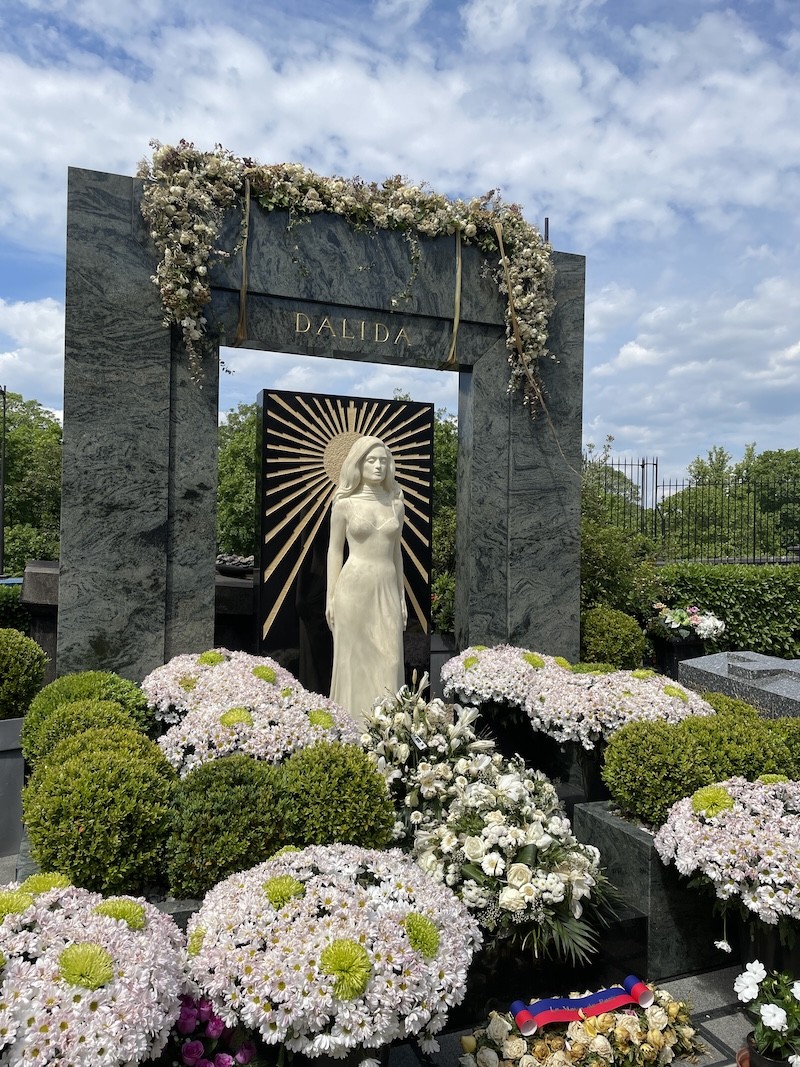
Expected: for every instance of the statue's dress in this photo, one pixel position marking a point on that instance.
(367, 614)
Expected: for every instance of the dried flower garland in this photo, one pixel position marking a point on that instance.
(187, 193)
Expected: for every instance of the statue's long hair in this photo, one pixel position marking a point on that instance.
(350, 477)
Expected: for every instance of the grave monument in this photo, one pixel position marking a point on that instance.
(140, 436)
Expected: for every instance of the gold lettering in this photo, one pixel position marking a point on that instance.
(304, 319)
(363, 328)
(402, 333)
(326, 325)
(347, 336)
(379, 326)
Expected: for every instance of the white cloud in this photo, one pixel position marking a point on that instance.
(32, 349)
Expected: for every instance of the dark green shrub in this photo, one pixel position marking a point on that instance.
(22, 664)
(88, 685)
(611, 636)
(788, 729)
(13, 613)
(617, 568)
(760, 606)
(98, 809)
(651, 765)
(227, 819)
(332, 793)
(71, 719)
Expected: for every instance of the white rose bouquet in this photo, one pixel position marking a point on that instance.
(489, 828)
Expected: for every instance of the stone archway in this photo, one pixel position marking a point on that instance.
(139, 482)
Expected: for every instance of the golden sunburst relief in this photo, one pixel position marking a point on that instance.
(305, 439)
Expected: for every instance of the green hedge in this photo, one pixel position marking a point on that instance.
(649, 766)
(13, 613)
(760, 605)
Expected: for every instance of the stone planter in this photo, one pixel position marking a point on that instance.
(443, 648)
(681, 926)
(12, 773)
(668, 653)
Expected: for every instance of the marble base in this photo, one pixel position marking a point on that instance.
(12, 772)
(681, 926)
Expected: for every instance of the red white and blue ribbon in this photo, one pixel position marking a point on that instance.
(529, 1017)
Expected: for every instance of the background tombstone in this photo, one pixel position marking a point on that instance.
(139, 487)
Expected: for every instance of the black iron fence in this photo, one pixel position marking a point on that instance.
(725, 520)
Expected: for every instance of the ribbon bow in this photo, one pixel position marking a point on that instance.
(529, 1017)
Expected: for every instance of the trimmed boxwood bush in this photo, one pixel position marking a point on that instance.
(332, 793)
(651, 765)
(227, 819)
(22, 664)
(87, 685)
(71, 719)
(98, 809)
(611, 636)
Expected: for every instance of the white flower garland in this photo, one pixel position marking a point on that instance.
(187, 193)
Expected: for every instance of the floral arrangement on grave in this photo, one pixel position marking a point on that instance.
(85, 980)
(199, 1038)
(187, 193)
(650, 1029)
(743, 840)
(772, 1000)
(221, 702)
(678, 624)
(333, 948)
(564, 701)
(489, 828)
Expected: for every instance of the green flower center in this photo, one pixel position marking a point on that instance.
(470, 662)
(533, 660)
(642, 674)
(674, 691)
(266, 674)
(87, 965)
(14, 902)
(187, 683)
(127, 911)
(422, 934)
(43, 883)
(234, 716)
(210, 658)
(320, 717)
(710, 800)
(772, 779)
(562, 662)
(349, 965)
(195, 941)
(283, 888)
(286, 691)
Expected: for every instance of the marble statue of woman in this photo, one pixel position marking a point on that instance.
(365, 601)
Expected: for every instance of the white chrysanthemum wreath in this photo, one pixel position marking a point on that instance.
(333, 948)
(187, 193)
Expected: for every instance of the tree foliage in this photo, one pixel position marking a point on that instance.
(32, 483)
(237, 506)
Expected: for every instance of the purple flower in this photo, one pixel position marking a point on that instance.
(223, 1059)
(187, 1020)
(215, 1027)
(247, 1050)
(192, 1053)
(205, 1009)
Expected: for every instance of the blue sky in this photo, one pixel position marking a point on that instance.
(662, 140)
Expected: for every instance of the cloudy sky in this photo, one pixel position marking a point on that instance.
(660, 137)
